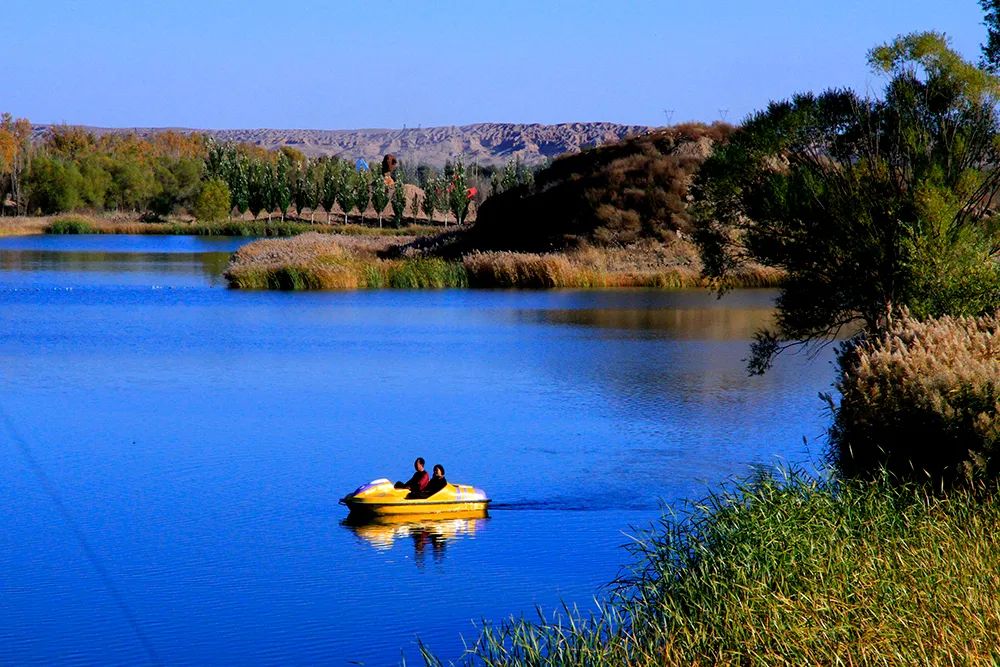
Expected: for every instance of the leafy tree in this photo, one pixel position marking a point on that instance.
(459, 193)
(398, 200)
(431, 200)
(53, 185)
(361, 191)
(301, 189)
(313, 187)
(425, 173)
(16, 133)
(871, 206)
(380, 195)
(213, 202)
(283, 173)
(96, 181)
(991, 49)
(133, 184)
(238, 181)
(331, 185)
(259, 176)
(344, 188)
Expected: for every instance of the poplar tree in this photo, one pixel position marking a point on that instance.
(398, 201)
(430, 200)
(380, 195)
(344, 189)
(362, 191)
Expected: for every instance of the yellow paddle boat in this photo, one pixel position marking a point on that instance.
(380, 498)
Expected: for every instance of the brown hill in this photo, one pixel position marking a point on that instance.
(611, 196)
(485, 143)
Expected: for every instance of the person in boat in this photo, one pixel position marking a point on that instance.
(436, 483)
(418, 482)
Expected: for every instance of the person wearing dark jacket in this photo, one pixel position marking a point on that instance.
(418, 482)
(437, 483)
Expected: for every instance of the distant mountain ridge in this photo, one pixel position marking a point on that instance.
(485, 143)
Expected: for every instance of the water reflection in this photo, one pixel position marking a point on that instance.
(735, 323)
(426, 535)
(209, 264)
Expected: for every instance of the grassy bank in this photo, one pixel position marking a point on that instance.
(82, 224)
(591, 269)
(790, 572)
(313, 262)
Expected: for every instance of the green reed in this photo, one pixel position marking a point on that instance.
(783, 571)
(70, 224)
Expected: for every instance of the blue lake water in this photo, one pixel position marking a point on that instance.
(197, 438)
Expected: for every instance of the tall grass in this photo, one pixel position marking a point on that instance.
(70, 224)
(334, 274)
(314, 261)
(331, 262)
(923, 401)
(789, 571)
(591, 269)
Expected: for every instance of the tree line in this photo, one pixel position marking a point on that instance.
(172, 173)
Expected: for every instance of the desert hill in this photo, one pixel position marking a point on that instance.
(485, 143)
(615, 195)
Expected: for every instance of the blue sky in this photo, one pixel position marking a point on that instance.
(352, 64)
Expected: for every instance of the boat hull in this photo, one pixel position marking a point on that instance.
(417, 508)
(381, 499)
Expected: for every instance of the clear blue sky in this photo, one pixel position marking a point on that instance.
(353, 63)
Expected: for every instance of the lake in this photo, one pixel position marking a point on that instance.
(174, 450)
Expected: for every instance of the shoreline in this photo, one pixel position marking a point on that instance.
(332, 262)
(82, 224)
(298, 255)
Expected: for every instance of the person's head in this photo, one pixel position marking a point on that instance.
(439, 470)
(418, 465)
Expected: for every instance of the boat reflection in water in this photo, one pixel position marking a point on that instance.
(427, 534)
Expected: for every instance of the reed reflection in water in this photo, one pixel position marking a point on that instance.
(717, 324)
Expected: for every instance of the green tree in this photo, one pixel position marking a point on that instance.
(238, 181)
(459, 193)
(133, 184)
(344, 188)
(991, 49)
(53, 185)
(361, 191)
(398, 200)
(380, 195)
(303, 192)
(431, 199)
(258, 186)
(281, 183)
(870, 206)
(96, 181)
(331, 184)
(213, 202)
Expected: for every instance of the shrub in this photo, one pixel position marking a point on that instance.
(922, 401)
(71, 224)
(213, 202)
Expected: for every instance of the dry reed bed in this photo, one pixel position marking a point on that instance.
(595, 268)
(329, 261)
(310, 261)
(922, 400)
